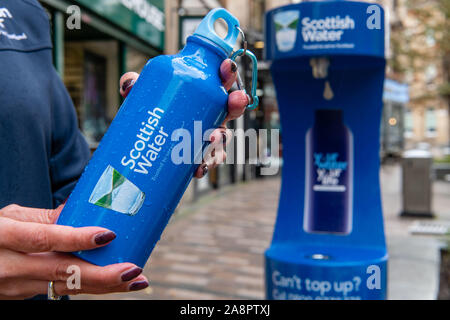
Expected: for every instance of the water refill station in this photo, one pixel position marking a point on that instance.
(328, 64)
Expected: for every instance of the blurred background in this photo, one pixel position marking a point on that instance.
(213, 247)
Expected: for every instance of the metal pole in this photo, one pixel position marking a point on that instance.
(58, 42)
(122, 65)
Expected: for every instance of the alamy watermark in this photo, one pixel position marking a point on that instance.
(187, 146)
(374, 20)
(73, 22)
(248, 146)
(73, 282)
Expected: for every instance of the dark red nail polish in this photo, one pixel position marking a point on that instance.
(205, 170)
(138, 285)
(126, 85)
(104, 237)
(131, 274)
(233, 66)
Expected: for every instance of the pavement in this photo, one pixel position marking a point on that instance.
(213, 249)
(414, 260)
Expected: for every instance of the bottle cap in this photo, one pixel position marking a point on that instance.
(206, 29)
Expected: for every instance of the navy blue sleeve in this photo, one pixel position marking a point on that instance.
(69, 151)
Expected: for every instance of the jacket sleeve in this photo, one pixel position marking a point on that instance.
(69, 150)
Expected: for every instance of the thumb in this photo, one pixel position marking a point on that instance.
(25, 214)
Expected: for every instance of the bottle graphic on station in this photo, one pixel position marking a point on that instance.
(329, 174)
(132, 184)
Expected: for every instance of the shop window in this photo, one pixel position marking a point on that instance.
(409, 124)
(94, 121)
(430, 123)
(430, 38)
(257, 8)
(136, 60)
(430, 74)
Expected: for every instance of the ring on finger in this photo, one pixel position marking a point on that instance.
(51, 294)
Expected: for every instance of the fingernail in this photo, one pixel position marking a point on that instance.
(131, 274)
(138, 285)
(128, 83)
(105, 237)
(233, 66)
(205, 170)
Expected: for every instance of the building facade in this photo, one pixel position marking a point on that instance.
(94, 43)
(113, 37)
(182, 17)
(416, 58)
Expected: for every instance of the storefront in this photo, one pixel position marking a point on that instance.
(95, 42)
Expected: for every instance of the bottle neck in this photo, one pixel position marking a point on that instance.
(204, 51)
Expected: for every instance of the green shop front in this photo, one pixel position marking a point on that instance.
(94, 43)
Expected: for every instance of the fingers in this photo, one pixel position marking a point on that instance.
(26, 288)
(210, 162)
(95, 279)
(19, 213)
(35, 237)
(201, 171)
(126, 83)
(139, 283)
(228, 73)
(237, 102)
(61, 267)
(22, 289)
(215, 154)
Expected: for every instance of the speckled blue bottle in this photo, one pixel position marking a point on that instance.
(132, 183)
(329, 174)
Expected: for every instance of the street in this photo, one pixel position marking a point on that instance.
(213, 249)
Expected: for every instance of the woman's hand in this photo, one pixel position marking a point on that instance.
(31, 255)
(237, 101)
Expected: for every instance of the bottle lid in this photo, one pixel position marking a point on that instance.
(206, 29)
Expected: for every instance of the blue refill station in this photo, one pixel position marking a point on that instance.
(328, 66)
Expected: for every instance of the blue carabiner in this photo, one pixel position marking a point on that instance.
(254, 100)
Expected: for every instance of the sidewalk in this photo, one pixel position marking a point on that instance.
(413, 266)
(214, 248)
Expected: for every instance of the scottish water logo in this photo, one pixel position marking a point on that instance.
(286, 29)
(329, 171)
(326, 29)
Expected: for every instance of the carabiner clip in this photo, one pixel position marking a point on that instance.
(253, 99)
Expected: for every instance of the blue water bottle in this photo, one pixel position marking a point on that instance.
(132, 184)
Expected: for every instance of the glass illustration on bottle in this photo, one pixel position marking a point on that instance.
(329, 175)
(114, 191)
